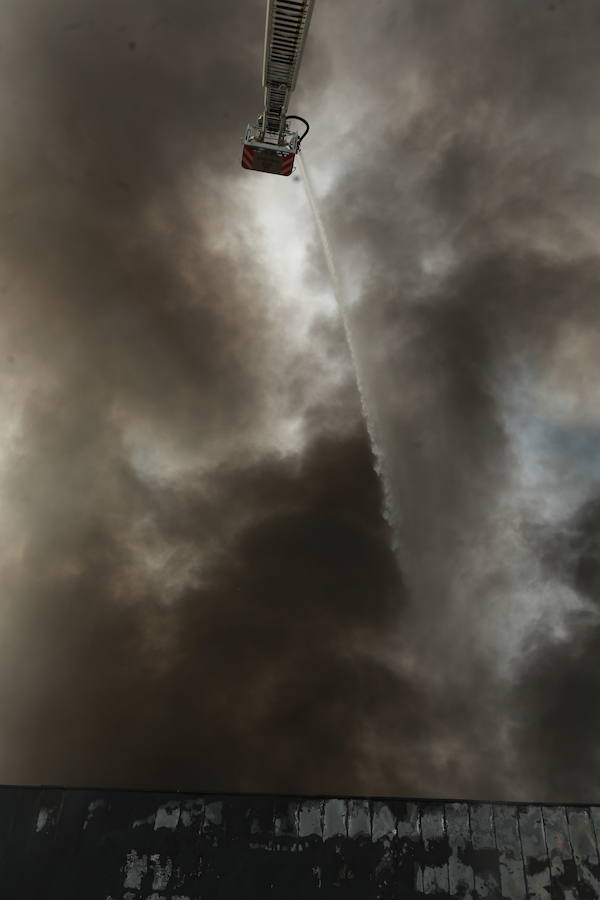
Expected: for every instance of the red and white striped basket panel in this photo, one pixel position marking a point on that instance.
(252, 158)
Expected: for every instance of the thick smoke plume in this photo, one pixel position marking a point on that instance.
(199, 588)
(466, 219)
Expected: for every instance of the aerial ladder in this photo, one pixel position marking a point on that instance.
(269, 145)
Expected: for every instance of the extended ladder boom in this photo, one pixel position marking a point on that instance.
(269, 146)
(285, 36)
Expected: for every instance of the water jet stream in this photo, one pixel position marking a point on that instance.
(345, 317)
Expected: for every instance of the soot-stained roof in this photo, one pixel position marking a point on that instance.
(126, 845)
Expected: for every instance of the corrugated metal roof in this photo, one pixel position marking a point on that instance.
(121, 845)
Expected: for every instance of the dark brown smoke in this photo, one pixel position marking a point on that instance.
(467, 211)
(188, 599)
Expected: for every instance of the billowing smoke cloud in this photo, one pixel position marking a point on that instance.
(199, 587)
(467, 217)
(192, 539)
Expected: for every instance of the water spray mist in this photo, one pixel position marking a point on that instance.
(345, 317)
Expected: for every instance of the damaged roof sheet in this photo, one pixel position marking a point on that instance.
(126, 845)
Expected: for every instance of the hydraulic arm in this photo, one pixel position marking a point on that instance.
(269, 146)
